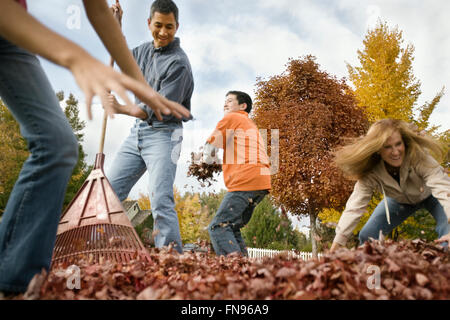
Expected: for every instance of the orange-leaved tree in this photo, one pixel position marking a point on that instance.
(314, 113)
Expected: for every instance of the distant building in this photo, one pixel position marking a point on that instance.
(134, 212)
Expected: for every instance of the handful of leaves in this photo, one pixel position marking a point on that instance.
(203, 171)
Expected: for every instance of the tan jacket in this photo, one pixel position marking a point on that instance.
(416, 184)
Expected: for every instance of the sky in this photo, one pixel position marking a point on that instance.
(232, 43)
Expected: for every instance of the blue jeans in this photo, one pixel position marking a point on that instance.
(30, 221)
(399, 212)
(155, 148)
(234, 213)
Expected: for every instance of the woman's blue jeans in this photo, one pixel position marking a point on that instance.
(154, 148)
(399, 212)
(30, 221)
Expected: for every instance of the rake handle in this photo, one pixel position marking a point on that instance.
(118, 17)
(105, 121)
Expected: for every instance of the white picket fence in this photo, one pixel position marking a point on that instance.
(257, 253)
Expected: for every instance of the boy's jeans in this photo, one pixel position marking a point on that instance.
(155, 148)
(30, 221)
(400, 212)
(234, 213)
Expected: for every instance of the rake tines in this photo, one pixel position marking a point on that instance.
(96, 243)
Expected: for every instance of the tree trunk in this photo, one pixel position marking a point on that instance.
(395, 234)
(313, 232)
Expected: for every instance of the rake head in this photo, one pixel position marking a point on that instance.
(95, 227)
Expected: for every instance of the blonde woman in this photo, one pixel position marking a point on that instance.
(395, 160)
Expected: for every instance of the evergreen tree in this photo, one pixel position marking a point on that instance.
(81, 170)
(303, 242)
(269, 228)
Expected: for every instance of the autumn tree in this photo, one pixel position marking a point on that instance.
(313, 112)
(144, 201)
(384, 82)
(193, 216)
(13, 153)
(385, 85)
(193, 219)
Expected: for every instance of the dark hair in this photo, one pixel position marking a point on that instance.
(165, 7)
(242, 97)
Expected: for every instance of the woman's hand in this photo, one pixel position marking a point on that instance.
(95, 78)
(335, 246)
(445, 238)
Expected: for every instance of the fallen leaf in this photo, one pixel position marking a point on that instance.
(421, 279)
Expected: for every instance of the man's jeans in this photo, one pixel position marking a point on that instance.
(400, 212)
(30, 221)
(154, 148)
(234, 213)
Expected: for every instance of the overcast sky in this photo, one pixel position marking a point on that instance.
(231, 43)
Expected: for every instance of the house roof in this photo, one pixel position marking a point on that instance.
(127, 204)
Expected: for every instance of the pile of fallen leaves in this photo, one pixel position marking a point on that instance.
(376, 270)
(203, 171)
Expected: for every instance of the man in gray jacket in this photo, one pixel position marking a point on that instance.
(154, 145)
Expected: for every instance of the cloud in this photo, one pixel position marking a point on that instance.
(373, 16)
(241, 53)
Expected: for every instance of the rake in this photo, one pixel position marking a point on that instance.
(94, 226)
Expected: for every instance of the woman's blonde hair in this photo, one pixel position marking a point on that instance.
(360, 157)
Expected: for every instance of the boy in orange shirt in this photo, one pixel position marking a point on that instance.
(245, 169)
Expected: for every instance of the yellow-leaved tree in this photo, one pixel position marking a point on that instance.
(192, 217)
(144, 201)
(384, 83)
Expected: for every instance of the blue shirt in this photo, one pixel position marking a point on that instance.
(168, 71)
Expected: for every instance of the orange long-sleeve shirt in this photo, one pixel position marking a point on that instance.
(245, 163)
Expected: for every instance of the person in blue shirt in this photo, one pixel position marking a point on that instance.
(154, 145)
